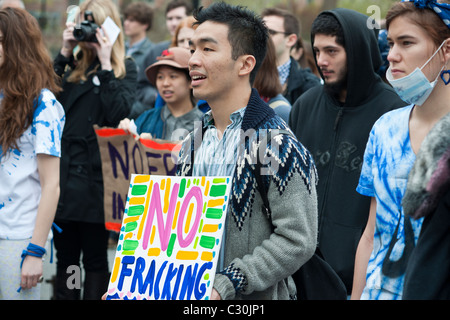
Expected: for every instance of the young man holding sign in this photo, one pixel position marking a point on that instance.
(262, 245)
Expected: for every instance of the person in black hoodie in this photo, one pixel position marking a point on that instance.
(334, 121)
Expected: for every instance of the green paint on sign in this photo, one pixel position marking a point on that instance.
(173, 237)
(218, 190)
(214, 213)
(130, 245)
(136, 210)
(219, 180)
(207, 242)
(138, 190)
(130, 226)
(182, 188)
(195, 243)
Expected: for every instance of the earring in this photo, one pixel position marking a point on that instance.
(445, 76)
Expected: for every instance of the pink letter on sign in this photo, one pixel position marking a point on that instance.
(155, 206)
(196, 193)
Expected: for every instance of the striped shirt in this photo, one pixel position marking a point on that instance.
(217, 157)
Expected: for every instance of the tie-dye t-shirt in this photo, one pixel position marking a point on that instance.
(20, 187)
(388, 160)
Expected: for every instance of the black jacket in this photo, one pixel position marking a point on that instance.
(427, 275)
(427, 196)
(103, 100)
(299, 81)
(336, 134)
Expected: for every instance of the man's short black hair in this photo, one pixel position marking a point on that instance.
(247, 32)
(327, 24)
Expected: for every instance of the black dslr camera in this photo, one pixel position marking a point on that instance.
(86, 30)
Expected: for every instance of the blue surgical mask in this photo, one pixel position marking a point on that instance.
(414, 88)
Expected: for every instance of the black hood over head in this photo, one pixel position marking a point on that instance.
(363, 54)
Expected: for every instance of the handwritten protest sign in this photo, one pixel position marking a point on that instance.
(170, 238)
(123, 155)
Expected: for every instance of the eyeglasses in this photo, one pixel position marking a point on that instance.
(274, 32)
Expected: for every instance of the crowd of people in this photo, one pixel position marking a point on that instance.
(358, 172)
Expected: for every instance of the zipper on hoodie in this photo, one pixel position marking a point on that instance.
(331, 164)
(338, 118)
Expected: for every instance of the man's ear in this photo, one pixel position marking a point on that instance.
(291, 40)
(247, 65)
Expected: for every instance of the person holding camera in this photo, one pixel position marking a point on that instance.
(98, 88)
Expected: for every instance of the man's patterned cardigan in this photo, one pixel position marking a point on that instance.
(262, 252)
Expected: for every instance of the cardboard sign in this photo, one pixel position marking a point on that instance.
(170, 238)
(122, 155)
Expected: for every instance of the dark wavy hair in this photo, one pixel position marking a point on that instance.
(27, 68)
(247, 32)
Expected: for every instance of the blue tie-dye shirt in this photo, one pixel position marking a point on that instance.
(388, 160)
(20, 188)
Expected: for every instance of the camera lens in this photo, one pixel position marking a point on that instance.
(85, 32)
(79, 34)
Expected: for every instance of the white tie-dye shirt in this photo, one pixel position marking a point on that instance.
(20, 188)
(388, 159)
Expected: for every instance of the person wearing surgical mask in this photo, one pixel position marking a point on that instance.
(415, 88)
(419, 57)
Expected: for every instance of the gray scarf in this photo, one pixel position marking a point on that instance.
(430, 176)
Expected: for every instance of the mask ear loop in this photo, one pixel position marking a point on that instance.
(442, 72)
(434, 54)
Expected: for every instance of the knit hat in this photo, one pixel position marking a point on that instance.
(175, 57)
